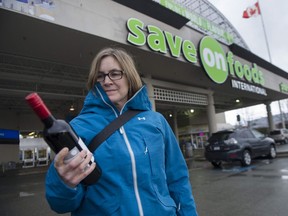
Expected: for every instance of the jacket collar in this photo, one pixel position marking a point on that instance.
(97, 101)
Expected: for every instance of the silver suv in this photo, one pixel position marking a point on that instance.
(279, 135)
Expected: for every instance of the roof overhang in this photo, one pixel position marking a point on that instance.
(156, 11)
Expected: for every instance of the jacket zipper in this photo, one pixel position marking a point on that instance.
(134, 173)
(131, 153)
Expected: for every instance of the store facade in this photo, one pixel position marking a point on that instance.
(191, 76)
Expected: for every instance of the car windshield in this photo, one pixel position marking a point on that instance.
(275, 132)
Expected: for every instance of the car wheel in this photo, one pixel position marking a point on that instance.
(217, 164)
(272, 153)
(246, 158)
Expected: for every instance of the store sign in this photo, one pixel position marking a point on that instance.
(160, 41)
(283, 88)
(219, 66)
(197, 20)
(216, 63)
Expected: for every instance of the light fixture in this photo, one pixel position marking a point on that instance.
(191, 110)
(72, 108)
(31, 133)
(170, 115)
(237, 100)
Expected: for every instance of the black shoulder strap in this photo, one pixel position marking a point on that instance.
(109, 129)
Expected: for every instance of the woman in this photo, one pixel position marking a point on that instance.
(143, 170)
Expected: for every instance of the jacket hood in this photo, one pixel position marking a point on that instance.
(98, 102)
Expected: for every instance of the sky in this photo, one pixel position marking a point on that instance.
(274, 22)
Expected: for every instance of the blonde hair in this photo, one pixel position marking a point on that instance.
(126, 63)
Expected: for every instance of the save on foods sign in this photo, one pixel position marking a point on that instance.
(217, 64)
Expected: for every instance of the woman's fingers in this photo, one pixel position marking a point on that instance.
(74, 171)
(86, 165)
(59, 158)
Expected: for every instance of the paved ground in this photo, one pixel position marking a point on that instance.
(22, 190)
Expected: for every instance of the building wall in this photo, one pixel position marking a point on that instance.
(22, 122)
(107, 19)
(9, 153)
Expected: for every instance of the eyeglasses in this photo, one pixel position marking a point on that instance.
(113, 75)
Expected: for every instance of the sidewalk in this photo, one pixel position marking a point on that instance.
(282, 150)
(19, 170)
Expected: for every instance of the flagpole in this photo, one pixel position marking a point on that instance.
(270, 59)
(264, 30)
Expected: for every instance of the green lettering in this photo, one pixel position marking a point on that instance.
(174, 45)
(136, 35)
(159, 41)
(255, 74)
(247, 73)
(283, 87)
(156, 39)
(238, 69)
(261, 78)
(230, 62)
(189, 51)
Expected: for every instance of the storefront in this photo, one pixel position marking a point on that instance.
(184, 67)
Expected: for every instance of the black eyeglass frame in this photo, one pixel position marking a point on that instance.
(109, 75)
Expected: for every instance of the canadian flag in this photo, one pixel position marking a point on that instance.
(252, 11)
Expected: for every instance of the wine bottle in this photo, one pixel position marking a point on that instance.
(59, 134)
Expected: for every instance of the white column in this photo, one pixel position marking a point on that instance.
(212, 125)
(281, 114)
(269, 116)
(150, 90)
(175, 125)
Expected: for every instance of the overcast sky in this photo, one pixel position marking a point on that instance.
(275, 21)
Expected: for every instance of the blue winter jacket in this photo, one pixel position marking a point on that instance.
(143, 170)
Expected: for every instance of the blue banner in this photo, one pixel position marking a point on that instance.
(24, 1)
(9, 136)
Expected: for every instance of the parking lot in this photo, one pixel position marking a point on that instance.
(260, 189)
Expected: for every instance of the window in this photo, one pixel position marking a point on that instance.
(245, 134)
(275, 132)
(257, 134)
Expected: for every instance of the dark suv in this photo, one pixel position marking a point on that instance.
(243, 144)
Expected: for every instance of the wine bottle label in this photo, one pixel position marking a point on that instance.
(84, 147)
(72, 153)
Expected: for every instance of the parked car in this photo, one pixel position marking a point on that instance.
(243, 144)
(279, 135)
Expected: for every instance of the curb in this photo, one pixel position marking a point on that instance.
(202, 158)
(282, 154)
(24, 171)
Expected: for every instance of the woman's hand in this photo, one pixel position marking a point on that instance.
(73, 172)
